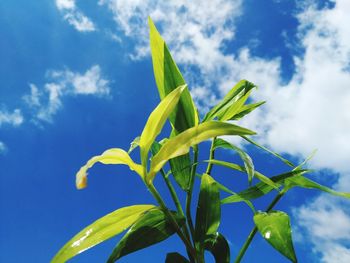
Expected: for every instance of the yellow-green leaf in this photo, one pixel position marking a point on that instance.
(181, 143)
(111, 156)
(101, 230)
(246, 109)
(275, 227)
(168, 77)
(157, 119)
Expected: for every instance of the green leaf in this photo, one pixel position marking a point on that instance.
(181, 144)
(134, 144)
(156, 121)
(208, 210)
(248, 163)
(269, 151)
(101, 230)
(231, 103)
(239, 168)
(168, 77)
(304, 182)
(275, 228)
(218, 246)
(175, 257)
(111, 156)
(152, 228)
(246, 109)
(261, 188)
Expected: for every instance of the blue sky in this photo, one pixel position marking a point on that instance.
(76, 79)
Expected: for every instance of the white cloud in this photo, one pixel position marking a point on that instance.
(15, 118)
(74, 16)
(47, 101)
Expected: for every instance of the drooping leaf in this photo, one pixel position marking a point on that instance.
(218, 246)
(247, 160)
(208, 210)
(111, 156)
(134, 144)
(231, 103)
(168, 77)
(184, 115)
(246, 109)
(239, 168)
(275, 228)
(101, 230)
(261, 188)
(181, 144)
(156, 121)
(301, 181)
(175, 257)
(269, 151)
(151, 228)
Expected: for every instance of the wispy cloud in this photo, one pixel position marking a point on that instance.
(74, 16)
(3, 148)
(14, 118)
(45, 102)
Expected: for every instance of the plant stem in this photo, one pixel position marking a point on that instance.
(172, 193)
(160, 201)
(255, 229)
(190, 190)
(211, 156)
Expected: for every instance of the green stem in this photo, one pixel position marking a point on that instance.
(190, 190)
(211, 156)
(172, 193)
(255, 229)
(160, 201)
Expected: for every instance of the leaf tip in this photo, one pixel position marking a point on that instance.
(81, 179)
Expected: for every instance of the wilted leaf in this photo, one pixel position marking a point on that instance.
(111, 156)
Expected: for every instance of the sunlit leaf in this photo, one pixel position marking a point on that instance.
(242, 169)
(181, 144)
(101, 230)
(208, 209)
(261, 188)
(134, 144)
(175, 257)
(269, 151)
(151, 228)
(304, 182)
(168, 77)
(231, 103)
(247, 160)
(275, 228)
(156, 121)
(111, 156)
(218, 246)
(246, 109)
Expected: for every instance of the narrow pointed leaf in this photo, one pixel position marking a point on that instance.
(134, 144)
(168, 77)
(275, 228)
(181, 144)
(101, 230)
(111, 156)
(218, 246)
(237, 92)
(301, 181)
(208, 209)
(231, 111)
(151, 228)
(246, 109)
(269, 151)
(261, 188)
(247, 160)
(157, 120)
(239, 168)
(175, 257)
